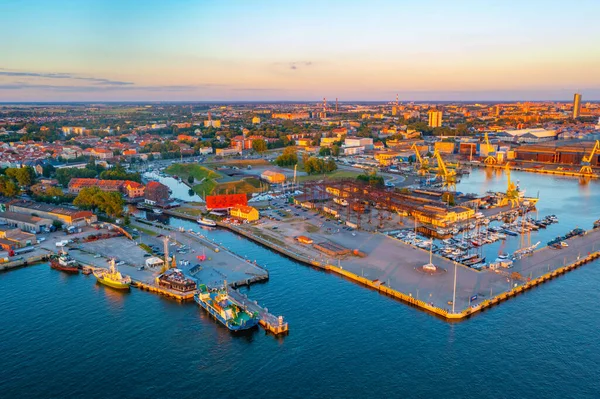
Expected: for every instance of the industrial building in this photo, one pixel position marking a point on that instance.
(567, 152)
(14, 238)
(527, 135)
(273, 177)
(25, 222)
(71, 217)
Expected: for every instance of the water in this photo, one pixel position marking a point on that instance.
(575, 204)
(66, 336)
(179, 190)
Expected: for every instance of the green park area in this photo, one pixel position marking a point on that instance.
(206, 181)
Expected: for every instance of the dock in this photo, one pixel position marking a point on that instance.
(538, 170)
(393, 268)
(271, 323)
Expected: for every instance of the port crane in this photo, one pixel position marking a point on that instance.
(586, 162)
(448, 176)
(512, 196)
(423, 163)
(490, 160)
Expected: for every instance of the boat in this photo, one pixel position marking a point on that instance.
(64, 262)
(112, 277)
(220, 305)
(206, 222)
(510, 232)
(157, 211)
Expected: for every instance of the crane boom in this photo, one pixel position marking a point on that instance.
(586, 162)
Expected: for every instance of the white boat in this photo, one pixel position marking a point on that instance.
(157, 211)
(206, 222)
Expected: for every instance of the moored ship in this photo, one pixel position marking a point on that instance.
(64, 262)
(206, 222)
(220, 305)
(112, 277)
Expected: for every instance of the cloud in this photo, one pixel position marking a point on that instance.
(62, 75)
(294, 65)
(93, 88)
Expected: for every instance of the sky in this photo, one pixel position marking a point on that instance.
(228, 50)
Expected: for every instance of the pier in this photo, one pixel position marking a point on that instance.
(393, 268)
(271, 323)
(537, 170)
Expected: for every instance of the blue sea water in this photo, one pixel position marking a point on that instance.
(65, 336)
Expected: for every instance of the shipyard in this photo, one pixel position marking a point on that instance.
(446, 224)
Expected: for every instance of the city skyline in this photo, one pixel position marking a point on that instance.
(209, 51)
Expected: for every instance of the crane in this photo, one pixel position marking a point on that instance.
(423, 163)
(586, 162)
(447, 175)
(512, 192)
(490, 160)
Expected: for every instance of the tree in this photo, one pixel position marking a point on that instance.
(23, 176)
(8, 188)
(324, 151)
(48, 170)
(289, 157)
(335, 150)
(190, 179)
(93, 198)
(259, 145)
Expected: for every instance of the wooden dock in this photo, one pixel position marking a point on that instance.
(271, 323)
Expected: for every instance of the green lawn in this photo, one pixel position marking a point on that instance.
(185, 170)
(338, 174)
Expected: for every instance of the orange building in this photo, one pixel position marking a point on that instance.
(214, 202)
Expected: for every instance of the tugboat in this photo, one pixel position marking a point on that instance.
(64, 262)
(206, 222)
(112, 277)
(224, 309)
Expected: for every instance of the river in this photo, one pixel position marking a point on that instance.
(66, 336)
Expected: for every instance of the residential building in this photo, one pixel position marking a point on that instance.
(435, 118)
(156, 193)
(255, 120)
(291, 115)
(576, 105)
(73, 130)
(365, 142)
(212, 123)
(129, 188)
(244, 212)
(224, 152)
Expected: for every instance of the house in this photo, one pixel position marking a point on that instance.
(133, 189)
(156, 193)
(244, 212)
(273, 177)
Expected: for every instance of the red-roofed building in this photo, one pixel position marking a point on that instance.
(216, 202)
(130, 188)
(156, 193)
